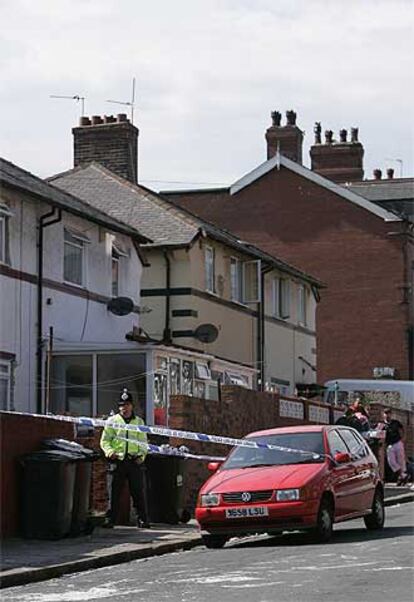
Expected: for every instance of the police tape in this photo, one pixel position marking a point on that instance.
(168, 450)
(177, 434)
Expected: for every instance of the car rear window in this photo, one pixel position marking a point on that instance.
(310, 443)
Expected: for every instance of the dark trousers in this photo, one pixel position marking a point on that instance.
(135, 474)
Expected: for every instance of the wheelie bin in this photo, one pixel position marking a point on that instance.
(81, 523)
(47, 486)
(166, 489)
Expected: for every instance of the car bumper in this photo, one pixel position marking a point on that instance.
(282, 516)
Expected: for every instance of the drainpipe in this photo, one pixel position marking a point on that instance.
(261, 329)
(167, 329)
(56, 217)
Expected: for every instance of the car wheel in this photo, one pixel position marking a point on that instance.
(214, 541)
(376, 519)
(324, 524)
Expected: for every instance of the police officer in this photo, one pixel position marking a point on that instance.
(123, 450)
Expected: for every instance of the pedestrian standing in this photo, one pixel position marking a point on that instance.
(124, 450)
(394, 433)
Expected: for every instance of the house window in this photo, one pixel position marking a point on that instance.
(210, 269)
(74, 257)
(251, 279)
(302, 305)
(5, 385)
(281, 298)
(5, 214)
(235, 280)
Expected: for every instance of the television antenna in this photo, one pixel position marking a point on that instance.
(76, 97)
(130, 103)
(399, 161)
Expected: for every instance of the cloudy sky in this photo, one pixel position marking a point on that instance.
(208, 74)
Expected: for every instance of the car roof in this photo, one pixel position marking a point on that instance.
(300, 428)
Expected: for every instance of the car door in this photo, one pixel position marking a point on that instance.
(342, 476)
(365, 471)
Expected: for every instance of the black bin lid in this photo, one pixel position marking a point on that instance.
(71, 447)
(46, 456)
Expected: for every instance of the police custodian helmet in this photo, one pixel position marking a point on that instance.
(125, 397)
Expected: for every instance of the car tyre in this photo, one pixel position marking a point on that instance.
(376, 519)
(214, 541)
(324, 525)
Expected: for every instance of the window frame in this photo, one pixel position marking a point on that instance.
(3, 235)
(236, 280)
(302, 305)
(210, 268)
(7, 376)
(281, 297)
(79, 242)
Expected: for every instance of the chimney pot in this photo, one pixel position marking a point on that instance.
(343, 135)
(328, 136)
(96, 119)
(390, 173)
(84, 121)
(291, 118)
(276, 118)
(377, 174)
(122, 117)
(317, 131)
(354, 134)
(109, 119)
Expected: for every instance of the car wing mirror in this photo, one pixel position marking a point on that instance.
(213, 466)
(342, 458)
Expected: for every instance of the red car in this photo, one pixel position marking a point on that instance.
(316, 476)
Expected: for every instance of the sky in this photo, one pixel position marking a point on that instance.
(208, 74)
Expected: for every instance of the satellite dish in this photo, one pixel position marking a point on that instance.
(206, 333)
(120, 306)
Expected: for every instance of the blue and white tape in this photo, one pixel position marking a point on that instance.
(168, 450)
(176, 434)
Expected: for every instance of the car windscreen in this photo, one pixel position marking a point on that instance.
(244, 457)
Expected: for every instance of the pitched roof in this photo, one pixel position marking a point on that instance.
(165, 223)
(392, 189)
(281, 161)
(12, 176)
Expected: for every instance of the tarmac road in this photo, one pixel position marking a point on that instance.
(357, 566)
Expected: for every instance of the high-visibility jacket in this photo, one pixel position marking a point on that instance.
(129, 444)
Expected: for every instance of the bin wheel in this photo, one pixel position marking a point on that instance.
(214, 542)
(185, 516)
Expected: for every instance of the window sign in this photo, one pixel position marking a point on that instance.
(187, 377)
(203, 371)
(175, 377)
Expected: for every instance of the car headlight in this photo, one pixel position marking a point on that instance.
(287, 495)
(210, 499)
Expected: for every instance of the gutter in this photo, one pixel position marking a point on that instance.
(42, 224)
(167, 338)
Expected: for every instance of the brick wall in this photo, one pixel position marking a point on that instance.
(240, 411)
(363, 317)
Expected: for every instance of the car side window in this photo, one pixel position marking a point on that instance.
(336, 444)
(355, 445)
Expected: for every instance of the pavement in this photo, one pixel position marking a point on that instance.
(27, 561)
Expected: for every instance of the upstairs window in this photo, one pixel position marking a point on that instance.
(5, 214)
(281, 298)
(235, 280)
(209, 259)
(74, 261)
(115, 272)
(302, 305)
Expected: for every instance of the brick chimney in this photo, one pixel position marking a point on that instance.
(110, 141)
(288, 138)
(338, 161)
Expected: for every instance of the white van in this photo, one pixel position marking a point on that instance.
(337, 391)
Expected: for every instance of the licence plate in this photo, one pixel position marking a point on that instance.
(247, 512)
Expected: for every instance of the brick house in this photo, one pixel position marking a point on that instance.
(261, 310)
(361, 250)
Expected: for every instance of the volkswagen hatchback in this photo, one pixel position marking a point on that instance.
(314, 477)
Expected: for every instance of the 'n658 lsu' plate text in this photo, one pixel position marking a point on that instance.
(256, 511)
